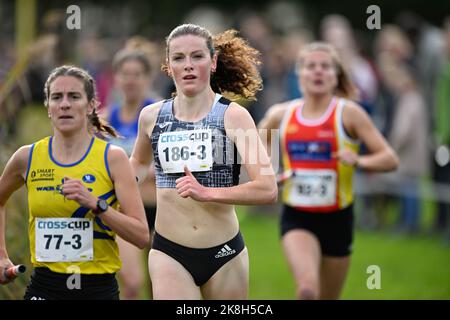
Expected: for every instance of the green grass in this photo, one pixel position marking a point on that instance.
(270, 277)
(412, 267)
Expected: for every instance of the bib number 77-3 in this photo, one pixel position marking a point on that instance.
(64, 239)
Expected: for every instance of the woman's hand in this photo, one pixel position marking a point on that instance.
(74, 189)
(188, 186)
(347, 157)
(5, 263)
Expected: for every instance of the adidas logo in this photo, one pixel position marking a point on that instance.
(225, 251)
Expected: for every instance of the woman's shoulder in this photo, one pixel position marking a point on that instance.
(235, 111)
(116, 155)
(351, 106)
(353, 115)
(42, 144)
(22, 156)
(235, 107)
(152, 110)
(278, 109)
(274, 115)
(24, 151)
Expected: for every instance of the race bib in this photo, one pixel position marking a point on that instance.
(192, 148)
(313, 188)
(64, 239)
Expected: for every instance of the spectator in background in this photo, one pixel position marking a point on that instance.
(408, 137)
(29, 76)
(94, 57)
(31, 68)
(390, 40)
(392, 43)
(336, 30)
(258, 31)
(442, 136)
(428, 43)
(292, 44)
(155, 56)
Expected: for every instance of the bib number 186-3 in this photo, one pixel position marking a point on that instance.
(191, 148)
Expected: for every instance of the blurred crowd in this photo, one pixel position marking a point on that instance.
(402, 72)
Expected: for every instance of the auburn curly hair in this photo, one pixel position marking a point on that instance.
(237, 74)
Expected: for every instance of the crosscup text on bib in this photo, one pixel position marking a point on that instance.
(64, 239)
(191, 148)
(313, 187)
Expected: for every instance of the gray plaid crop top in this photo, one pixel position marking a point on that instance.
(225, 167)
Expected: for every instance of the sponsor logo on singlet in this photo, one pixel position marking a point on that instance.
(42, 175)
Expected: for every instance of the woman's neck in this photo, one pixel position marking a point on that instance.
(315, 105)
(195, 108)
(133, 104)
(129, 109)
(70, 148)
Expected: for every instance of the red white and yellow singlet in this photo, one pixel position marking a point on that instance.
(319, 182)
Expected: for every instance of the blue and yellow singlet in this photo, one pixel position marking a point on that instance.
(65, 236)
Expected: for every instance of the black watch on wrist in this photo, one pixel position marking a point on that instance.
(102, 206)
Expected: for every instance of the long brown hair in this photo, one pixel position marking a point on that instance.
(345, 87)
(101, 126)
(237, 73)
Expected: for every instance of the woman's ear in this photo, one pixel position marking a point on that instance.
(166, 68)
(92, 105)
(214, 63)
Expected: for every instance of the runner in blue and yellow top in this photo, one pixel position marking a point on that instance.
(320, 137)
(52, 215)
(75, 181)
